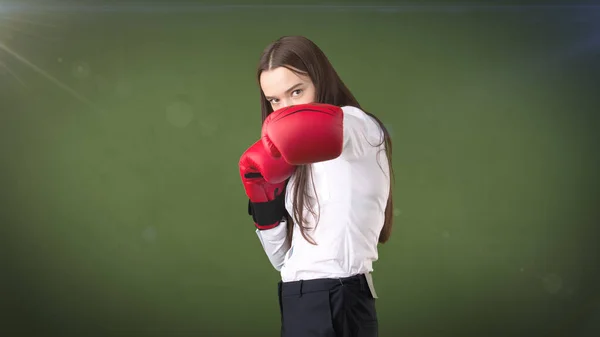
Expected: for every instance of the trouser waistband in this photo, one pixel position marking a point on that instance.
(308, 286)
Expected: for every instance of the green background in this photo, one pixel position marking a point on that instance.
(123, 213)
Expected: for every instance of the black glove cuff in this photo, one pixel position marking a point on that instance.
(268, 213)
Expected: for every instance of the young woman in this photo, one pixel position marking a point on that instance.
(319, 184)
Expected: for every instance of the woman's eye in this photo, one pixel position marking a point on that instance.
(296, 92)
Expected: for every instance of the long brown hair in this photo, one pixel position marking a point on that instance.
(304, 57)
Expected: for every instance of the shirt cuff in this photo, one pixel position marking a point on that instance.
(274, 234)
(275, 244)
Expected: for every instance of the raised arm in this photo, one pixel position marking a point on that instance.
(264, 178)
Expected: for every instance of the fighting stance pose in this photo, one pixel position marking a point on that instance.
(319, 184)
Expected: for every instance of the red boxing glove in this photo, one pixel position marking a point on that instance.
(305, 134)
(264, 178)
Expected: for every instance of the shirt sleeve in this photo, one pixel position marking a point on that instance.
(274, 242)
(361, 133)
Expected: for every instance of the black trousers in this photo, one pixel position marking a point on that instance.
(328, 308)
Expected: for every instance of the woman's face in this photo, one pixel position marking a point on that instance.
(283, 87)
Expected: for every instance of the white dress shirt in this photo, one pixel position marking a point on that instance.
(352, 192)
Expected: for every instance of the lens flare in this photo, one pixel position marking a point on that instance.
(18, 28)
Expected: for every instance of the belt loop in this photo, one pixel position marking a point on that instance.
(301, 281)
(362, 282)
